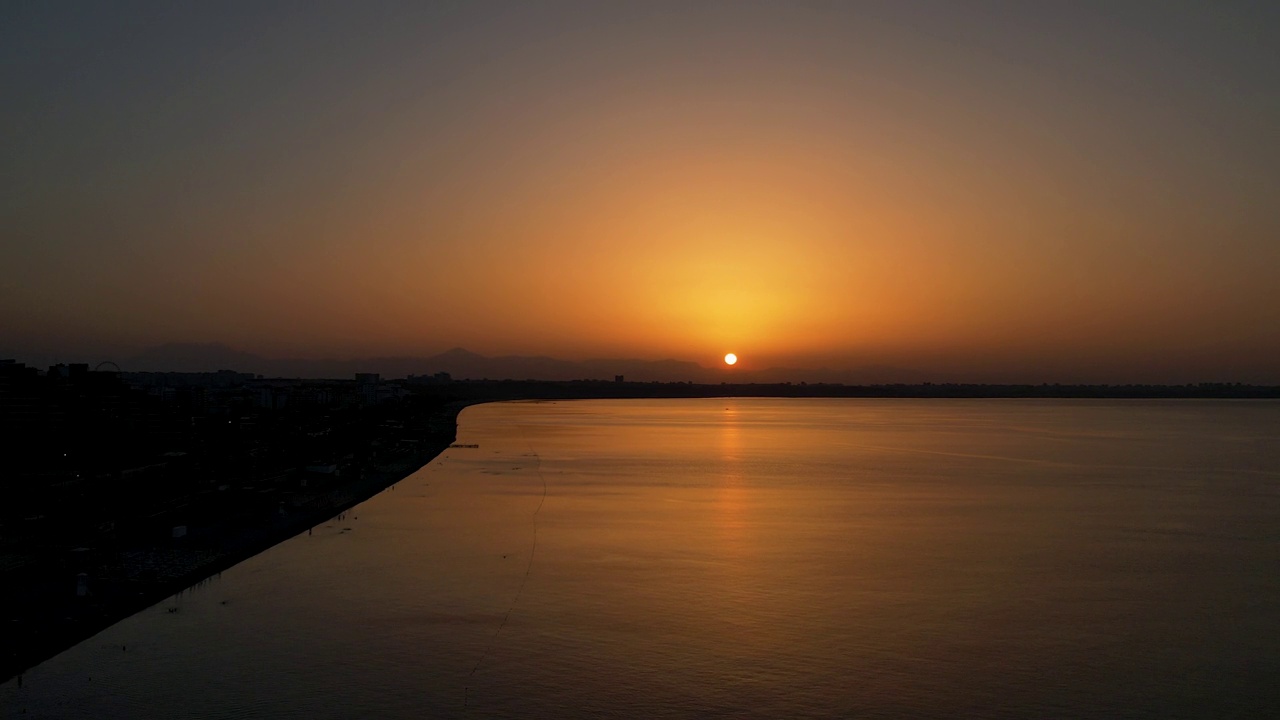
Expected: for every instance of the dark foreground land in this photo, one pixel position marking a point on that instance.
(122, 489)
(115, 497)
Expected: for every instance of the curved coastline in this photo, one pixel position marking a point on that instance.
(65, 627)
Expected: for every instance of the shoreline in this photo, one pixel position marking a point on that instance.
(81, 621)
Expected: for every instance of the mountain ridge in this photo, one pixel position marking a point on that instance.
(462, 364)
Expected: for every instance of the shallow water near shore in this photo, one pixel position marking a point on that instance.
(749, 558)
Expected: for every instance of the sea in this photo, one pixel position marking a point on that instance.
(748, 558)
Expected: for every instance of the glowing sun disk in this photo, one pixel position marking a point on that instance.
(730, 359)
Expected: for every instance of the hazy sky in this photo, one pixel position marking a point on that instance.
(1054, 191)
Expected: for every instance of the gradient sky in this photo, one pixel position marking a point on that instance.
(1073, 191)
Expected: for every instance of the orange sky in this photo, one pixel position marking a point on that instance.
(1030, 196)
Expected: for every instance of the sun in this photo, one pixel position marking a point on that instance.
(730, 359)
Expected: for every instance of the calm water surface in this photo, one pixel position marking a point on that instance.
(749, 558)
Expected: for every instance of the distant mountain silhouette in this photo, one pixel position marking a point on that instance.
(193, 357)
(464, 364)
